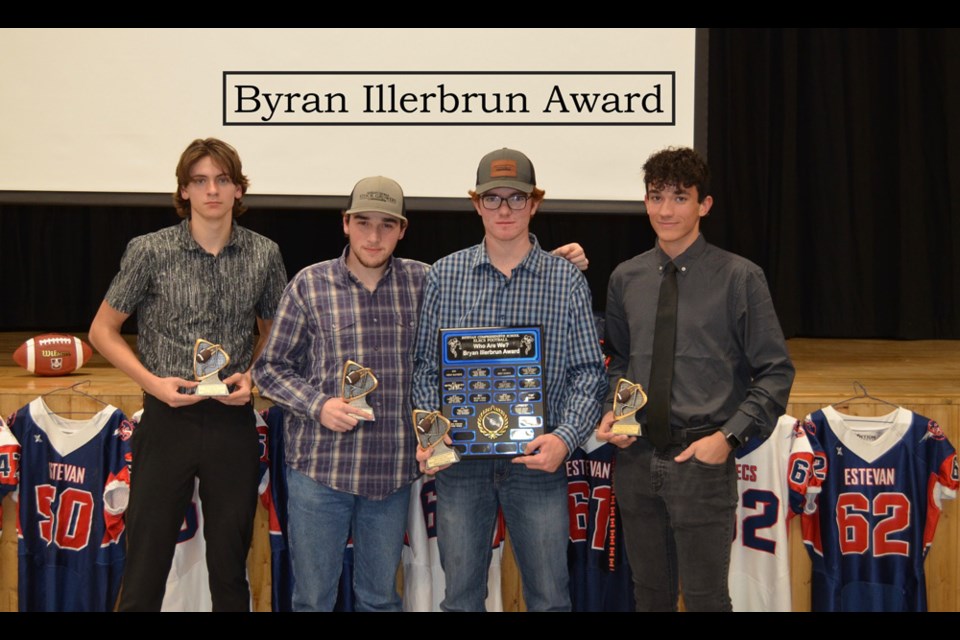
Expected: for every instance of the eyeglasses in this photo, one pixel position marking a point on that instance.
(515, 201)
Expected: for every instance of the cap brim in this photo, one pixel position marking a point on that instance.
(392, 214)
(526, 187)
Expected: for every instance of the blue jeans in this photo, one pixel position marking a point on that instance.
(535, 509)
(320, 521)
(678, 524)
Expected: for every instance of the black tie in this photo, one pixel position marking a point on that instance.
(661, 368)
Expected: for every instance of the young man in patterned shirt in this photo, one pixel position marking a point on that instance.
(204, 278)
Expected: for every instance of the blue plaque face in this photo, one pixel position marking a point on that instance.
(488, 366)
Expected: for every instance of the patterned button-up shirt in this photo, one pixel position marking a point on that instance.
(466, 290)
(327, 317)
(181, 292)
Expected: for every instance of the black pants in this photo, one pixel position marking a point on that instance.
(220, 445)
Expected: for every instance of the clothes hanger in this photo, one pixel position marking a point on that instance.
(861, 394)
(75, 388)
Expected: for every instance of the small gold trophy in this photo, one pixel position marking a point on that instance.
(628, 399)
(431, 427)
(209, 360)
(358, 383)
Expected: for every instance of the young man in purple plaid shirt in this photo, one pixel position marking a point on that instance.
(344, 472)
(507, 280)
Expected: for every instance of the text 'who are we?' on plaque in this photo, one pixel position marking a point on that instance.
(492, 389)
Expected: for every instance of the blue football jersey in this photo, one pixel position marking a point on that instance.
(273, 496)
(600, 577)
(868, 531)
(72, 491)
(275, 501)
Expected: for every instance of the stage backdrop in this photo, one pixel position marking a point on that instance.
(313, 110)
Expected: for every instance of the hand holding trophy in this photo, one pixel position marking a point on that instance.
(209, 360)
(358, 382)
(628, 399)
(431, 427)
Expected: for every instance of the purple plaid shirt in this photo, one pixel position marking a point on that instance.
(325, 318)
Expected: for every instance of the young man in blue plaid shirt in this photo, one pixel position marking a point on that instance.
(508, 280)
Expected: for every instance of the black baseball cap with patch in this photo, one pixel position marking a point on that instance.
(506, 168)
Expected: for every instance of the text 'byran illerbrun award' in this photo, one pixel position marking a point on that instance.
(358, 383)
(628, 399)
(209, 360)
(431, 427)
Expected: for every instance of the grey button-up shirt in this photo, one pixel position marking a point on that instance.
(732, 368)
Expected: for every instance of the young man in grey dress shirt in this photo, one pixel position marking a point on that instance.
(731, 379)
(204, 278)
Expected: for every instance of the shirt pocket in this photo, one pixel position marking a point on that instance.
(339, 339)
(406, 327)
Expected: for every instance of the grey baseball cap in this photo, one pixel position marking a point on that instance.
(379, 194)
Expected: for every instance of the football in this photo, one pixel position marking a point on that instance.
(52, 354)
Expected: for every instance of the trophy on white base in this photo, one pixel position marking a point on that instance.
(431, 427)
(209, 360)
(358, 382)
(628, 399)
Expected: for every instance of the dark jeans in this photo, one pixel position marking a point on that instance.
(220, 445)
(678, 522)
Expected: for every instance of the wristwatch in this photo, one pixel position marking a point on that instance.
(732, 438)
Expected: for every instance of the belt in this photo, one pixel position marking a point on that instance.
(683, 438)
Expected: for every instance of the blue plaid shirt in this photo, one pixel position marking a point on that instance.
(466, 290)
(325, 318)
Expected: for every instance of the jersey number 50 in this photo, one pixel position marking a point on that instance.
(69, 527)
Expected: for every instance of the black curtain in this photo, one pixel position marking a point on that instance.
(836, 166)
(57, 261)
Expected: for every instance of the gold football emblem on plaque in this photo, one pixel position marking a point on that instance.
(493, 422)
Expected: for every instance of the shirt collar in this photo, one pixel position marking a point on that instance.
(685, 259)
(532, 262)
(187, 241)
